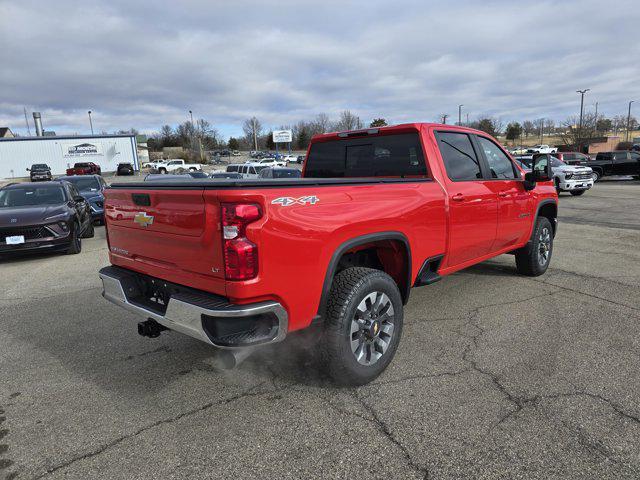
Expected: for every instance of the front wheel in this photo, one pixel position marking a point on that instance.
(76, 244)
(363, 325)
(163, 171)
(533, 259)
(577, 193)
(89, 232)
(595, 176)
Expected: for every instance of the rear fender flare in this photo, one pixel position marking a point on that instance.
(354, 242)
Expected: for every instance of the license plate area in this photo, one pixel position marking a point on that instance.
(14, 240)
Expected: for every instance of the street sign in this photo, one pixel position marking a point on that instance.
(282, 136)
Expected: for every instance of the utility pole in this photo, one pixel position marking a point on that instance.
(90, 122)
(26, 120)
(444, 118)
(581, 92)
(193, 131)
(629, 119)
(460, 114)
(467, 124)
(255, 134)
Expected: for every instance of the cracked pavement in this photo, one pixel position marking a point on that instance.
(497, 375)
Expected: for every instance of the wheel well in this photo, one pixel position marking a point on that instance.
(549, 210)
(390, 256)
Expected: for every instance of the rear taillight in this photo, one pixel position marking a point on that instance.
(240, 254)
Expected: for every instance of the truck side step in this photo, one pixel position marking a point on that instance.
(429, 271)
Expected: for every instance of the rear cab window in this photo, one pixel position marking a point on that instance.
(459, 157)
(393, 155)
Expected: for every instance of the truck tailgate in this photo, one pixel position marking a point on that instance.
(170, 234)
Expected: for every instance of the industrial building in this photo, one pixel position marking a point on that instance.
(61, 152)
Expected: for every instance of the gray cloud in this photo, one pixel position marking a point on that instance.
(144, 65)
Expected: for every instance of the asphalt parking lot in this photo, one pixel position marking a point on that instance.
(497, 375)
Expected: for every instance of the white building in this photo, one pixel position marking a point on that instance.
(60, 153)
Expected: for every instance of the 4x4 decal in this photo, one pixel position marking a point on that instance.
(288, 201)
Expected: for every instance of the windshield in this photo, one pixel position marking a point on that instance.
(85, 184)
(31, 196)
(39, 166)
(557, 163)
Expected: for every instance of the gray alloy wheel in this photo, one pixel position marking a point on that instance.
(595, 176)
(544, 246)
(372, 328)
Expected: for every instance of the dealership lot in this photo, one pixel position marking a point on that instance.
(497, 375)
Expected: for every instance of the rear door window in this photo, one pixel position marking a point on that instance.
(369, 156)
(459, 157)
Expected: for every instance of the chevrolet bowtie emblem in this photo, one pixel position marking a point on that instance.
(143, 219)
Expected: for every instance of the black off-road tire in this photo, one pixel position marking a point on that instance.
(528, 261)
(350, 287)
(89, 231)
(577, 193)
(76, 244)
(596, 175)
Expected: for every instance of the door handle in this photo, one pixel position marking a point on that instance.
(504, 194)
(458, 197)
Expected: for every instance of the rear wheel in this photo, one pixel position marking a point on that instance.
(162, 170)
(192, 169)
(534, 259)
(363, 325)
(577, 193)
(76, 244)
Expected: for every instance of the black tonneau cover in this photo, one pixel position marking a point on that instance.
(216, 184)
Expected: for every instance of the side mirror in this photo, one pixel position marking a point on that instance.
(79, 199)
(540, 172)
(28, 169)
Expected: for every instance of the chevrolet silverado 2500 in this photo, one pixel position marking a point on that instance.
(241, 263)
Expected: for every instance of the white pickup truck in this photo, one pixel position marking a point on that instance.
(175, 165)
(542, 149)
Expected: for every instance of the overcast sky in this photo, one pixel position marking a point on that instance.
(143, 65)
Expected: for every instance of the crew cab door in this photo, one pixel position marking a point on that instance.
(472, 201)
(623, 164)
(514, 202)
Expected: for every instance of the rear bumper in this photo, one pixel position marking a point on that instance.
(201, 315)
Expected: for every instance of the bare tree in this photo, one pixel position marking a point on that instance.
(575, 136)
(528, 127)
(549, 125)
(321, 123)
(348, 121)
(252, 130)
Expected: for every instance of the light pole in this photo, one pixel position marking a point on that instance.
(460, 114)
(581, 92)
(444, 118)
(90, 122)
(596, 126)
(629, 119)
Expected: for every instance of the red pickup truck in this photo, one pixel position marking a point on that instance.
(84, 168)
(241, 263)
